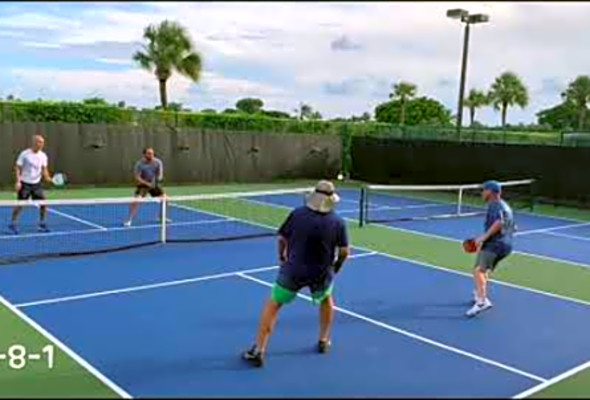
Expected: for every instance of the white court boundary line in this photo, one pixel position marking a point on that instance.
(525, 212)
(130, 289)
(388, 208)
(115, 229)
(555, 228)
(545, 383)
(567, 236)
(79, 220)
(535, 389)
(450, 239)
(414, 336)
(556, 379)
(243, 274)
(73, 355)
(449, 270)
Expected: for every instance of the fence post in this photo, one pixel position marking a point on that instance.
(561, 138)
(346, 142)
(362, 207)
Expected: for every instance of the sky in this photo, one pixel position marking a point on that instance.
(341, 58)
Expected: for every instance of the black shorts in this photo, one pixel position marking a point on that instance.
(143, 190)
(33, 191)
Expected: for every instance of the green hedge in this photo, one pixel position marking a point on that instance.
(72, 112)
(48, 111)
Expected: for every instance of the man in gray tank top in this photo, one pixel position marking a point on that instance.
(148, 173)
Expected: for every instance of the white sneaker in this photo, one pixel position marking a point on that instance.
(479, 307)
(127, 224)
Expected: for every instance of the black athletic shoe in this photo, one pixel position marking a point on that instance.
(253, 357)
(324, 346)
(43, 227)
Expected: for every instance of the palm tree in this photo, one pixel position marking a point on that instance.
(403, 91)
(578, 93)
(169, 48)
(475, 100)
(304, 111)
(508, 90)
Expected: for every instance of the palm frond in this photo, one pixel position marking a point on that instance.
(144, 60)
(191, 66)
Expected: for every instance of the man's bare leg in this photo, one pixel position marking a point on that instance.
(268, 320)
(326, 318)
(14, 218)
(133, 207)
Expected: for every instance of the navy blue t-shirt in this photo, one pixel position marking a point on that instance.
(501, 241)
(312, 239)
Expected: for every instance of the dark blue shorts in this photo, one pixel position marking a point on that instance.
(316, 284)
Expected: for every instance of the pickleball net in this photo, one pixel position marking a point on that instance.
(391, 203)
(92, 226)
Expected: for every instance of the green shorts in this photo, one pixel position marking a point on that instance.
(283, 295)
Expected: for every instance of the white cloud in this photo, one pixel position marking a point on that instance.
(42, 45)
(138, 87)
(115, 61)
(133, 86)
(393, 41)
(38, 21)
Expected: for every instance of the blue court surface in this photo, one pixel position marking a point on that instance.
(172, 320)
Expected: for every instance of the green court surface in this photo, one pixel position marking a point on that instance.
(70, 378)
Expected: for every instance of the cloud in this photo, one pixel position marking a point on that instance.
(137, 87)
(344, 43)
(315, 59)
(346, 87)
(42, 45)
(116, 61)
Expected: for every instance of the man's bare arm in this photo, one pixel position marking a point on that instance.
(282, 248)
(141, 181)
(46, 174)
(343, 253)
(495, 228)
(17, 177)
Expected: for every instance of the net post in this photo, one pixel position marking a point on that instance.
(362, 207)
(460, 201)
(163, 217)
(533, 194)
(366, 207)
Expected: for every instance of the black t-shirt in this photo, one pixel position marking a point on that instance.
(312, 239)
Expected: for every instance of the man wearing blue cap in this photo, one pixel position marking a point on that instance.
(494, 245)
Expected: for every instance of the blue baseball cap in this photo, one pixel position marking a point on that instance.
(493, 186)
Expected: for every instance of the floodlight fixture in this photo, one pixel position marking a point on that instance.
(457, 13)
(468, 20)
(478, 18)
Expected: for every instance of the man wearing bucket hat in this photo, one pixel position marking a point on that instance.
(494, 245)
(307, 244)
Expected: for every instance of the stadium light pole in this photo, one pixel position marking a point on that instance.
(468, 20)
